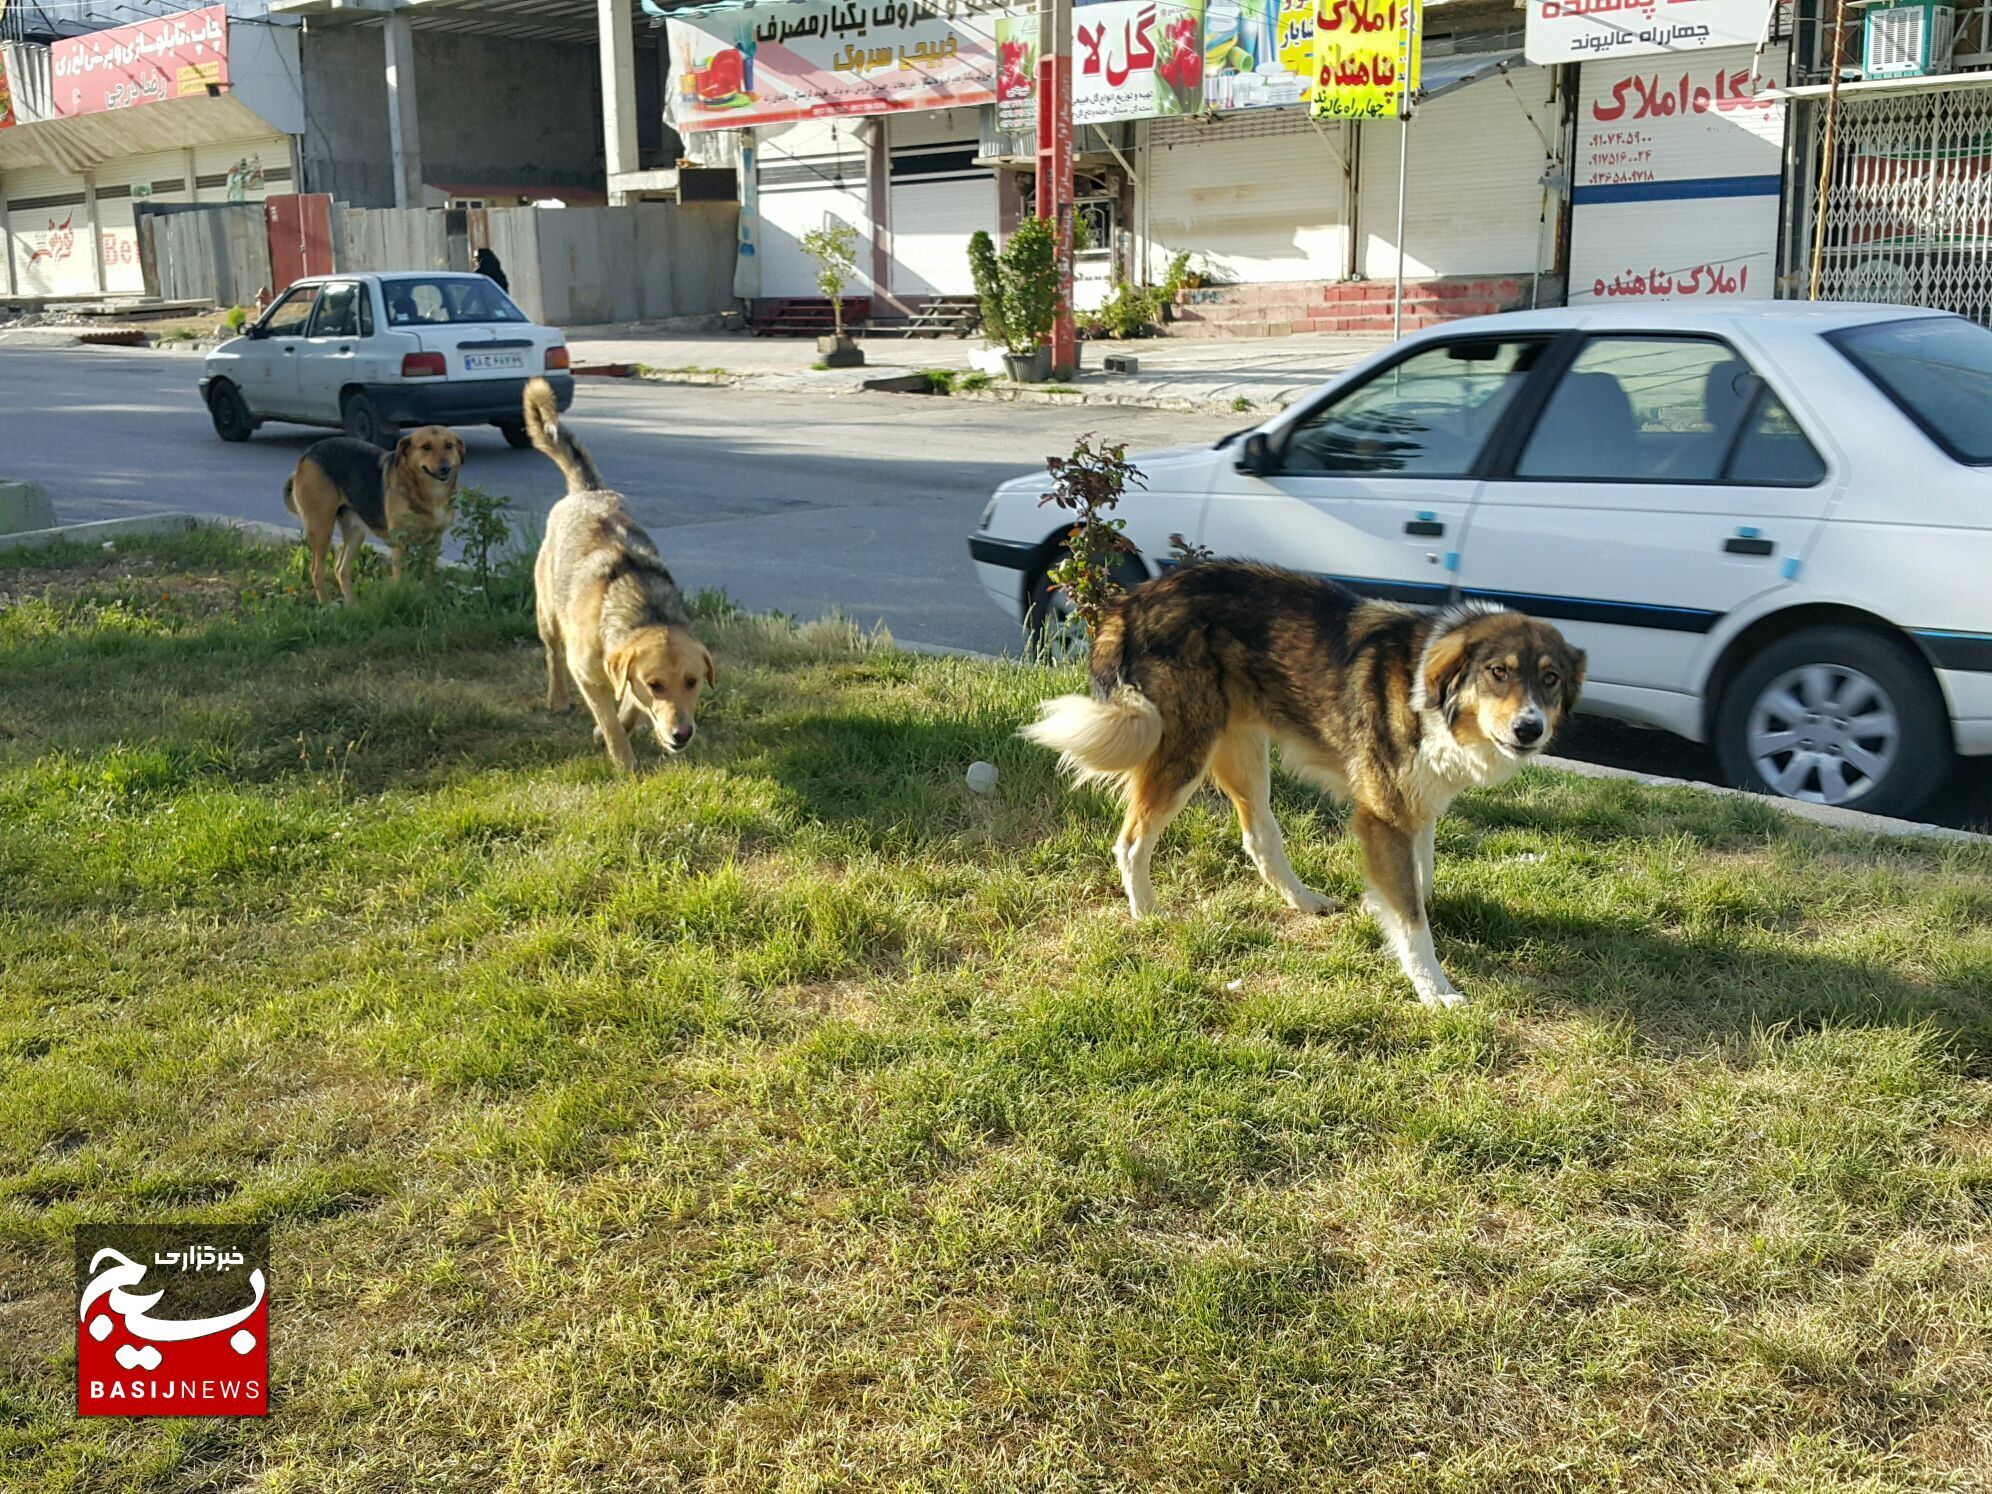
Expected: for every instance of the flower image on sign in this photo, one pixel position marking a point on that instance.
(1016, 73)
(1179, 57)
(6, 98)
(1113, 61)
(178, 56)
(1573, 30)
(1366, 58)
(814, 59)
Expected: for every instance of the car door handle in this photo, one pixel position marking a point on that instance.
(1425, 528)
(1748, 544)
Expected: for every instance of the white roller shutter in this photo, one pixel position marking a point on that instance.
(810, 174)
(939, 197)
(48, 233)
(1260, 195)
(121, 186)
(244, 170)
(1473, 201)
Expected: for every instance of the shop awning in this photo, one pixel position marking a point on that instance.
(1438, 76)
(1869, 87)
(87, 141)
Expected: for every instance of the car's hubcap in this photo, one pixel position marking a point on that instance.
(1824, 733)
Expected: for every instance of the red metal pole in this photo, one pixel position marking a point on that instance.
(1054, 170)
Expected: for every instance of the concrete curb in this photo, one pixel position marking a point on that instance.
(915, 382)
(99, 530)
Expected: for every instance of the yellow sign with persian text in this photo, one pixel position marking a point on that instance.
(1366, 58)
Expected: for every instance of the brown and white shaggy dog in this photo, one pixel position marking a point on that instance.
(354, 486)
(610, 616)
(1390, 707)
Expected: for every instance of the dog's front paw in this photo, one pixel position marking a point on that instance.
(1442, 1000)
(1307, 900)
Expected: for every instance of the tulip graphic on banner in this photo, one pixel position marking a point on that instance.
(1366, 58)
(1179, 57)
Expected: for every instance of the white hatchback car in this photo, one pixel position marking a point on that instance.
(369, 353)
(1770, 524)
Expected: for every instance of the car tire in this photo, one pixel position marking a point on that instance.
(360, 418)
(230, 412)
(1051, 632)
(1839, 716)
(516, 435)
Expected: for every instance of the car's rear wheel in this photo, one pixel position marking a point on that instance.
(230, 412)
(1837, 716)
(516, 435)
(360, 418)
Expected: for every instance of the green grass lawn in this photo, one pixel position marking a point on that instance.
(789, 1116)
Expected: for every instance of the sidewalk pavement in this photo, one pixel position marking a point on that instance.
(1260, 374)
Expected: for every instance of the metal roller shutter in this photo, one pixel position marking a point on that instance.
(1473, 201)
(939, 197)
(1259, 195)
(244, 170)
(809, 174)
(48, 233)
(121, 186)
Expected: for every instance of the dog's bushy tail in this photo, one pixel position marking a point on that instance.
(568, 454)
(1099, 741)
(290, 502)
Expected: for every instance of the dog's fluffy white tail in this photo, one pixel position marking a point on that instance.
(1099, 741)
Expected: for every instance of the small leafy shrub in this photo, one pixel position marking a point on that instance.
(499, 570)
(987, 269)
(236, 318)
(1029, 280)
(834, 247)
(972, 381)
(1088, 484)
(1189, 552)
(940, 380)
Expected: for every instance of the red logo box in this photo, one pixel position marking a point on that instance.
(172, 1320)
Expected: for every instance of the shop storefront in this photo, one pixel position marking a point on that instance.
(184, 110)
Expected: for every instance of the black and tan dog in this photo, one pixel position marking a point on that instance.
(354, 486)
(611, 617)
(1396, 709)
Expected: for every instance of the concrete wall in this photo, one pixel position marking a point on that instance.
(494, 112)
(580, 266)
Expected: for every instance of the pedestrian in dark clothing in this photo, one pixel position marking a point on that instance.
(487, 265)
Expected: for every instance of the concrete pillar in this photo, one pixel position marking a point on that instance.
(404, 126)
(618, 47)
(96, 230)
(6, 245)
(193, 181)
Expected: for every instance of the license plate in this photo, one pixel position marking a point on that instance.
(480, 362)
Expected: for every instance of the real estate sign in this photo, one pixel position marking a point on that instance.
(174, 57)
(1581, 30)
(1674, 190)
(1365, 58)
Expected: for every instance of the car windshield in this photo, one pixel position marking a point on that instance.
(417, 302)
(1938, 370)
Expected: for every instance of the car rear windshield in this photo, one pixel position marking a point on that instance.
(1938, 370)
(418, 303)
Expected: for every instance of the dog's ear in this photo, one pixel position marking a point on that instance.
(462, 451)
(1445, 668)
(1573, 679)
(404, 449)
(618, 665)
(711, 670)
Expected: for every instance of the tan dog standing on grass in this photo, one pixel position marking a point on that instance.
(611, 617)
(1395, 709)
(354, 486)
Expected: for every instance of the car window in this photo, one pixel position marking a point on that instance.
(1427, 416)
(1666, 409)
(1938, 371)
(413, 302)
(288, 316)
(338, 313)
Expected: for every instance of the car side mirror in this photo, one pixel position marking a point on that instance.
(1256, 455)
(255, 331)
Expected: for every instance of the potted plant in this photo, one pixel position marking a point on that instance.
(987, 270)
(1029, 280)
(834, 247)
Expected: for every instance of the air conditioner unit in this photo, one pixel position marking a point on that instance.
(1908, 41)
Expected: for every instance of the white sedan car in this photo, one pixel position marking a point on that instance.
(370, 353)
(1770, 524)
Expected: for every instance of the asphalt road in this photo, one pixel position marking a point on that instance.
(796, 502)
